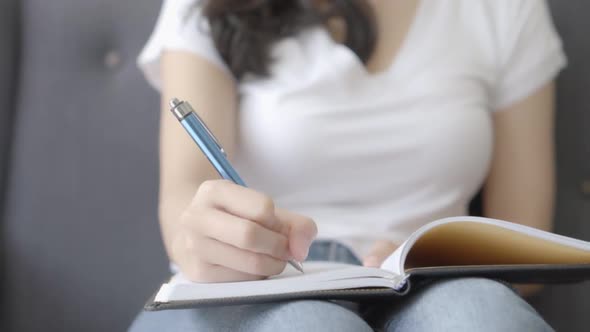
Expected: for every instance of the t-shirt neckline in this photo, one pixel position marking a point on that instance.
(405, 46)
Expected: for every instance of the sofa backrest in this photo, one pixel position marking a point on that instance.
(565, 306)
(82, 249)
(8, 64)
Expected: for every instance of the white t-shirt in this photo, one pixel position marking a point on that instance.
(376, 156)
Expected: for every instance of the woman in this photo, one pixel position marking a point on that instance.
(363, 120)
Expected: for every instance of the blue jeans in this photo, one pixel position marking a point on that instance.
(469, 304)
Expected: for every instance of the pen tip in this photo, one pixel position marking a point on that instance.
(298, 266)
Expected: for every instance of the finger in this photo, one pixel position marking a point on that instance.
(218, 253)
(195, 269)
(243, 234)
(302, 232)
(378, 253)
(205, 273)
(241, 202)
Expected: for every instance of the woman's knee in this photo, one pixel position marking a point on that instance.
(289, 316)
(312, 316)
(470, 304)
(168, 320)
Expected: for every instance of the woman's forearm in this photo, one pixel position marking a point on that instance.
(182, 166)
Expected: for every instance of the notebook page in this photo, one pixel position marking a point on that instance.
(318, 276)
(467, 241)
(394, 263)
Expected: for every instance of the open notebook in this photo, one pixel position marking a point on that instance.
(447, 248)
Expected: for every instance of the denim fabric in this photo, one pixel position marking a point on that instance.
(332, 251)
(469, 304)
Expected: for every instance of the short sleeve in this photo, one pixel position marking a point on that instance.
(530, 51)
(180, 26)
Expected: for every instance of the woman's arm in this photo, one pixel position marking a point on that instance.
(183, 168)
(214, 230)
(521, 183)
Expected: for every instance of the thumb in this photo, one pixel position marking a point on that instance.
(380, 251)
(301, 232)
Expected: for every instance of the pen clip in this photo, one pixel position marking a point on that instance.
(210, 134)
(178, 108)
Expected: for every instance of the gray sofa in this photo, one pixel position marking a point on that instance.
(80, 247)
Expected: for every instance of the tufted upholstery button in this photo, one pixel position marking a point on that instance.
(112, 59)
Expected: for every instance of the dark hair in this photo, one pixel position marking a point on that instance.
(244, 30)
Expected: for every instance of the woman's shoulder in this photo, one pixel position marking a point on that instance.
(500, 12)
(500, 23)
(510, 14)
(501, 6)
(527, 49)
(181, 27)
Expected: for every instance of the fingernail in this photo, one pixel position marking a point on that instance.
(305, 253)
(300, 254)
(301, 250)
(300, 245)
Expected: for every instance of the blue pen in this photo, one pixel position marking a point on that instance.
(199, 132)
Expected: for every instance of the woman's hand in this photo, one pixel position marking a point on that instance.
(380, 251)
(232, 233)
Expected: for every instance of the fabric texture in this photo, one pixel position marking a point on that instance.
(81, 244)
(375, 156)
(9, 31)
(454, 305)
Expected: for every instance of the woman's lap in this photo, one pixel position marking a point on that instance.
(469, 304)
